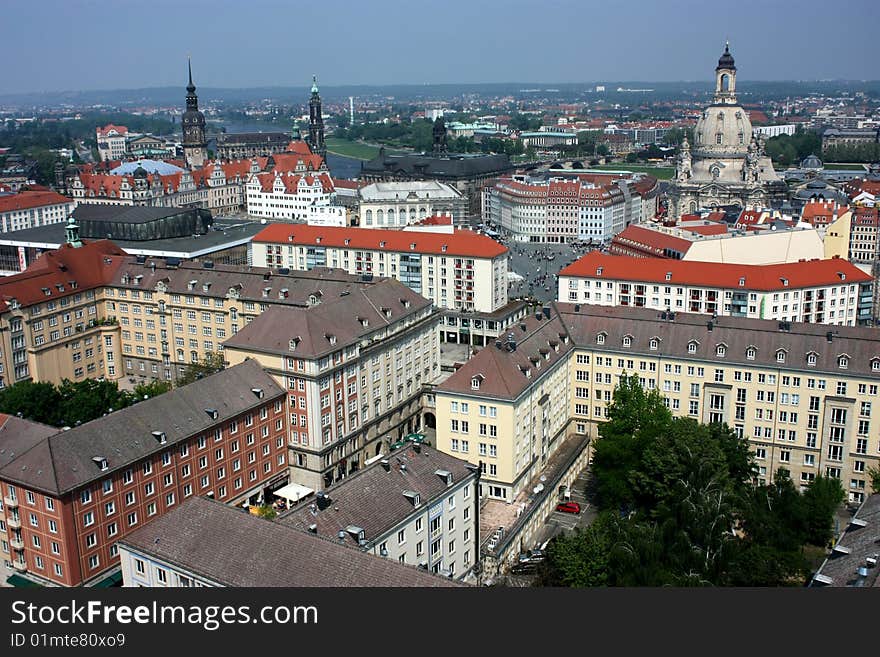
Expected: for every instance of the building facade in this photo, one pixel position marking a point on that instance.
(417, 506)
(459, 271)
(28, 209)
(353, 365)
(822, 291)
(246, 145)
(111, 142)
(802, 395)
(70, 496)
(288, 196)
(398, 204)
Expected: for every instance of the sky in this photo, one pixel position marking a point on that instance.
(65, 45)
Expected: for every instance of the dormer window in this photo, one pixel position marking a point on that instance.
(811, 359)
(780, 356)
(627, 341)
(293, 344)
(784, 282)
(875, 364)
(692, 346)
(475, 382)
(751, 352)
(669, 276)
(721, 351)
(600, 339)
(742, 281)
(843, 362)
(654, 344)
(598, 271)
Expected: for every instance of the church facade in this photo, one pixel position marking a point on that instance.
(726, 164)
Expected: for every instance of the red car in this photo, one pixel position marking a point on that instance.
(568, 507)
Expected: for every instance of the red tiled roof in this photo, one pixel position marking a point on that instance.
(87, 265)
(121, 129)
(300, 147)
(289, 161)
(821, 209)
(652, 240)
(110, 184)
(711, 229)
(343, 183)
(31, 199)
(291, 183)
(435, 221)
(460, 243)
(807, 273)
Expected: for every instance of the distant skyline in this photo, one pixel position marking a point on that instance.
(84, 45)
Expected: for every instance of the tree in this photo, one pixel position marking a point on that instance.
(578, 559)
(821, 499)
(602, 150)
(151, 389)
(83, 401)
(39, 402)
(266, 512)
(635, 417)
(211, 363)
(874, 475)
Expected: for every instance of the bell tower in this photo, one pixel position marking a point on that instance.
(316, 122)
(195, 146)
(725, 79)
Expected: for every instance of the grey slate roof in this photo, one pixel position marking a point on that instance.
(373, 499)
(234, 548)
(254, 138)
(432, 166)
(504, 379)
(860, 542)
(64, 461)
(336, 316)
(18, 435)
(135, 214)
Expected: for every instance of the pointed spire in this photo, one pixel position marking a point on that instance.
(190, 87)
(314, 84)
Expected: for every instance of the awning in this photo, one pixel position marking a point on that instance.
(110, 581)
(22, 582)
(293, 492)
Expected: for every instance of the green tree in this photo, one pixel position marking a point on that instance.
(266, 512)
(151, 389)
(580, 558)
(821, 500)
(874, 475)
(635, 417)
(602, 150)
(39, 402)
(83, 401)
(211, 363)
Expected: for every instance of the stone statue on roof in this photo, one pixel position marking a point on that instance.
(684, 161)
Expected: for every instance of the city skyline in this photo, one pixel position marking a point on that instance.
(458, 44)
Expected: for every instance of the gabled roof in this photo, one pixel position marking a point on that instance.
(234, 548)
(25, 200)
(373, 498)
(18, 436)
(64, 461)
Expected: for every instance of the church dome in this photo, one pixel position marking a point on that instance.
(722, 129)
(811, 162)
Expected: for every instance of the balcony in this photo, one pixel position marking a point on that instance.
(20, 566)
(10, 502)
(16, 542)
(14, 522)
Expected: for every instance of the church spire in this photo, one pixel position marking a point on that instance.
(190, 87)
(316, 122)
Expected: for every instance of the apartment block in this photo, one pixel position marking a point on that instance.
(29, 209)
(460, 271)
(70, 495)
(830, 291)
(231, 548)
(417, 506)
(353, 366)
(803, 395)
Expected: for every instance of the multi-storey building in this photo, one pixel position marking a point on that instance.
(288, 196)
(353, 365)
(571, 208)
(460, 271)
(246, 145)
(418, 506)
(822, 291)
(398, 204)
(167, 553)
(94, 311)
(111, 142)
(68, 497)
(28, 209)
(804, 396)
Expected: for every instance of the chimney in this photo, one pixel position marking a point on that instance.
(386, 465)
(829, 336)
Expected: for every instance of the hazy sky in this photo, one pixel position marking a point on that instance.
(59, 45)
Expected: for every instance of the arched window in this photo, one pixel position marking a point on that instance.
(627, 341)
(380, 218)
(720, 350)
(391, 217)
(600, 339)
(692, 347)
(369, 218)
(875, 365)
(751, 352)
(725, 82)
(811, 359)
(654, 344)
(843, 362)
(780, 356)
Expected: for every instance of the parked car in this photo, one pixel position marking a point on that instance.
(568, 507)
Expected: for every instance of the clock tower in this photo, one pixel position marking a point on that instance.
(316, 122)
(195, 146)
